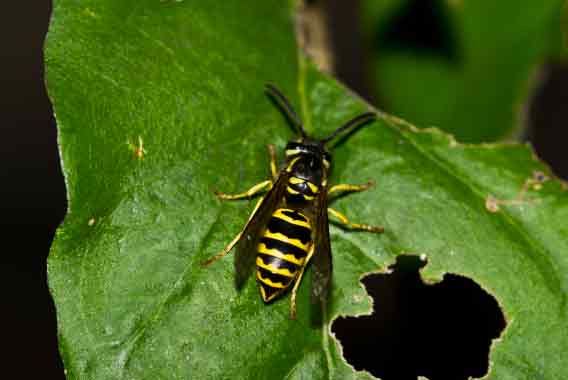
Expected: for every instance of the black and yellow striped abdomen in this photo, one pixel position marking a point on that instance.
(282, 251)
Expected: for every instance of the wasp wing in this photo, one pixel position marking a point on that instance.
(246, 246)
(321, 259)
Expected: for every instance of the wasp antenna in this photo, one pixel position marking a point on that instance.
(285, 105)
(351, 124)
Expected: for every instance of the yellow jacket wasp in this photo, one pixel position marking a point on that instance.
(289, 225)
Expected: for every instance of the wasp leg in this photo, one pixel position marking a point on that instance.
(224, 252)
(297, 284)
(230, 246)
(354, 226)
(259, 187)
(273, 162)
(350, 188)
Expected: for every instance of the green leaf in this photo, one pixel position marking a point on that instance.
(158, 103)
(475, 83)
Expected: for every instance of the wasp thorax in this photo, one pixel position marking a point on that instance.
(308, 167)
(306, 174)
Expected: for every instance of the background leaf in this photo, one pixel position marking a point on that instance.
(186, 79)
(466, 67)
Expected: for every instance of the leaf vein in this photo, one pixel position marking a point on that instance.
(549, 270)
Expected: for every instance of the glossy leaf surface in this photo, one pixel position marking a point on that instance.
(158, 103)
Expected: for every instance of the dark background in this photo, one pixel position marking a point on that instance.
(32, 191)
(32, 196)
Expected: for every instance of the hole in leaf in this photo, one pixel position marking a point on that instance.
(442, 331)
(420, 26)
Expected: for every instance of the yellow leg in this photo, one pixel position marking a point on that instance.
(224, 252)
(273, 163)
(354, 226)
(259, 187)
(350, 188)
(230, 246)
(297, 284)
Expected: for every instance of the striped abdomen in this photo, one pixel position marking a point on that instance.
(282, 251)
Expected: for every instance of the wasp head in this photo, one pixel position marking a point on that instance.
(308, 159)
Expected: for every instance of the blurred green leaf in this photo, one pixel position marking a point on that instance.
(466, 67)
(158, 103)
